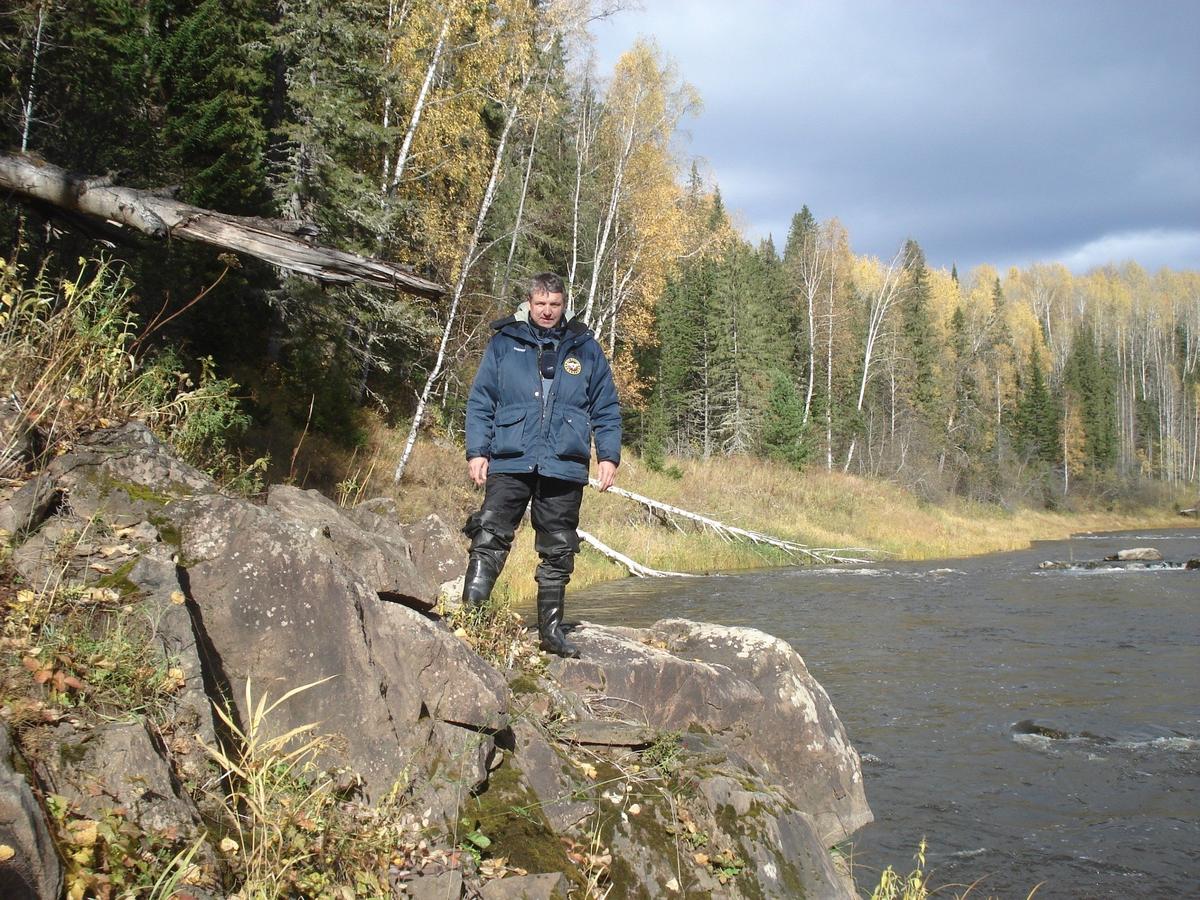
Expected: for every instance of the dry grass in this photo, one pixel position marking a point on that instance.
(817, 508)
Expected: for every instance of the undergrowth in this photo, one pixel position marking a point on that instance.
(73, 358)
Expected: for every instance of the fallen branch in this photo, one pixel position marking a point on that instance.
(729, 532)
(280, 243)
(634, 567)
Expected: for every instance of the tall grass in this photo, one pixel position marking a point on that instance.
(71, 360)
(816, 508)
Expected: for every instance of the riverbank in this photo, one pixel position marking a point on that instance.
(816, 508)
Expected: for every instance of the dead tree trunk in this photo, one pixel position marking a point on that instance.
(280, 243)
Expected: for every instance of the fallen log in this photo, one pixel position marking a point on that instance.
(280, 243)
(634, 567)
(729, 532)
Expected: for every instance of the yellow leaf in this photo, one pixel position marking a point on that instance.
(177, 598)
(83, 832)
(26, 596)
(700, 858)
(6, 852)
(228, 845)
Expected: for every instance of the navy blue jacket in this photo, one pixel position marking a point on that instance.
(508, 422)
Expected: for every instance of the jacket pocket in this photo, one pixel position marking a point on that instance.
(510, 433)
(574, 440)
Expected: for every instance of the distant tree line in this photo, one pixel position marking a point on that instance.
(476, 143)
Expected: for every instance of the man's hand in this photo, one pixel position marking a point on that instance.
(477, 468)
(608, 474)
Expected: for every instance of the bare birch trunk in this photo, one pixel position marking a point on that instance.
(829, 385)
(27, 106)
(485, 204)
(610, 215)
(512, 246)
(812, 363)
(881, 303)
(581, 147)
(419, 104)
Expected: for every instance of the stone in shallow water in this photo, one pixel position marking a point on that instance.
(1139, 553)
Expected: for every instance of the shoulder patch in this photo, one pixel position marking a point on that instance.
(572, 366)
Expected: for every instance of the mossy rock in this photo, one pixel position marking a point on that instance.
(510, 815)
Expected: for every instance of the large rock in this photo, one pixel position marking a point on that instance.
(380, 556)
(439, 550)
(189, 724)
(33, 871)
(272, 606)
(116, 765)
(750, 689)
(547, 886)
(121, 474)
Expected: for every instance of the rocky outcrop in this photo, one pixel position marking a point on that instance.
(30, 868)
(749, 689)
(117, 765)
(379, 555)
(275, 608)
(680, 759)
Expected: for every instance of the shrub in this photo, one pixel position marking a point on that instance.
(69, 355)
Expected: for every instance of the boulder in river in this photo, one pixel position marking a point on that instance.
(1147, 554)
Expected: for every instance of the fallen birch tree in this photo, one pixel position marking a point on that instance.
(824, 555)
(634, 567)
(288, 245)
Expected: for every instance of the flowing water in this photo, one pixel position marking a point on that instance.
(1035, 725)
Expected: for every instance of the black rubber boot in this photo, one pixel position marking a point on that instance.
(477, 585)
(490, 543)
(550, 617)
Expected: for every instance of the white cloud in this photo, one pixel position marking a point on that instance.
(1150, 249)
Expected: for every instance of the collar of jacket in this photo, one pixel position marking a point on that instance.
(576, 331)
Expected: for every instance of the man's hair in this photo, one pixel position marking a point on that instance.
(546, 283)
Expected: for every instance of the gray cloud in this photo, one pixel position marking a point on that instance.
(990, 132)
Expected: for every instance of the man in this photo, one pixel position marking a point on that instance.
(542, 391)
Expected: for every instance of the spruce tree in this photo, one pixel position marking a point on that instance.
(783, 432)
(1037, 417)
(213, 62)
(920, 348)
(1090, 376)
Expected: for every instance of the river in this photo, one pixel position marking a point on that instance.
(1035, 726)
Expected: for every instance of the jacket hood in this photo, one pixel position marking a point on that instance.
(574, 326)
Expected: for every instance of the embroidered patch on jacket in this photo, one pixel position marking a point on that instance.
(572, 366)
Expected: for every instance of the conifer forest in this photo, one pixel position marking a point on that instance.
(478, 143)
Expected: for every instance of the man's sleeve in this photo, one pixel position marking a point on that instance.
(605, 411)
(481, 406)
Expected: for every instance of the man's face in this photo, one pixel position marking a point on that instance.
(546, 309)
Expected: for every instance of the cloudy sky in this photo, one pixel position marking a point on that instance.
(1001, 132)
